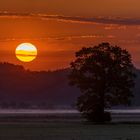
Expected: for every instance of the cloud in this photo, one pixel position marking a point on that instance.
(94, 20)
(60, 38)
(77, 37)
(115, 27)
(91, 20)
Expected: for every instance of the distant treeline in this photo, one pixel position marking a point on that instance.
(25, 88)
(20, 88)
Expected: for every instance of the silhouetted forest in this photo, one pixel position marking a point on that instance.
(20, 88)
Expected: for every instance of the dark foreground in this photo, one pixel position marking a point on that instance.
(68, 131)
(66, 127)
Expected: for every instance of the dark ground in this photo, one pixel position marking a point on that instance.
(66, 127)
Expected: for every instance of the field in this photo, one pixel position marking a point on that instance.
(68, 131)
(63, 127)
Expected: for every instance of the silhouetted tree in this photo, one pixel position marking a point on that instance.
(105, 76)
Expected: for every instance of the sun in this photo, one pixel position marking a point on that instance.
(26, 52)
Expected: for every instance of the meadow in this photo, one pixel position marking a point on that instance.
(68, 131)
(61, 126)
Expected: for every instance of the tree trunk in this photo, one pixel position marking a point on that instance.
(102, 101)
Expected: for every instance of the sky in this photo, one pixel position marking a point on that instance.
(58, 28)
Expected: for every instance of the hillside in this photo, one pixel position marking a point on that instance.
(20, 86)
(24, 88)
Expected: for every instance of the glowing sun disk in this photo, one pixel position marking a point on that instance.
(26, 52)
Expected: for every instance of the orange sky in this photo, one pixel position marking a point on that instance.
(58, 37)
(74, 7)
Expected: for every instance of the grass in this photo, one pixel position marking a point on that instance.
(66, 127)
(68, 130)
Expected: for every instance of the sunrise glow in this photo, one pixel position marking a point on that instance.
(26, 52)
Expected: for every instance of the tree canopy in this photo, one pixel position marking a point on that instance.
(105, 76)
